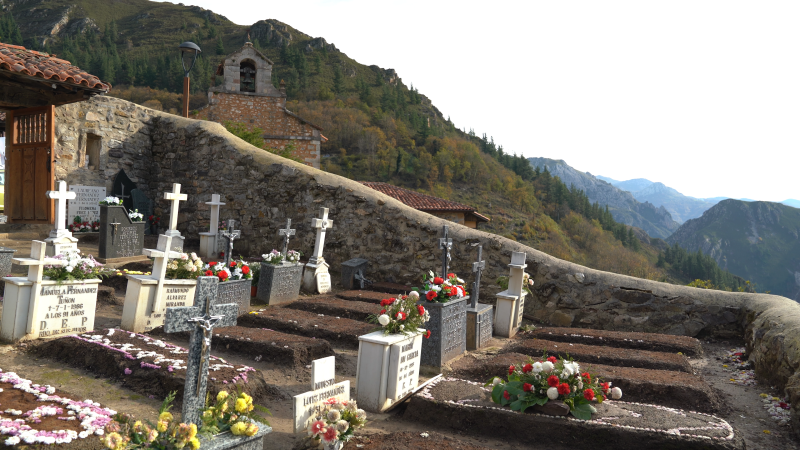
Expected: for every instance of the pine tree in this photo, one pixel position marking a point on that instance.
(338, 80)
(220, 46)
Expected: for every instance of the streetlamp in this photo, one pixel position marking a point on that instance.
(188, 50)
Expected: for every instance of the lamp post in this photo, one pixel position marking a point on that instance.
(188, 50)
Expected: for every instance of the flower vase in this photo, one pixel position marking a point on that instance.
(253, 290)
(387, 368)
(335, 445)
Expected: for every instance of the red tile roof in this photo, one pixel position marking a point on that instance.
(20, 60)
(422, 202)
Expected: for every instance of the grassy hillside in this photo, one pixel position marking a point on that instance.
(378, 127)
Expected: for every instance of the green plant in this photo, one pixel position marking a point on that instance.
(255, 271)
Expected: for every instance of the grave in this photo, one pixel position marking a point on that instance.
(210, 241)
(316, 265)
(122, 188)
(511, 302)
(323, 387)
(336, 307)
(388, 368)
(86, 203)
(36, 308)
(121, 239)
(148, 296)
(61, 238)
(279, 283)
(479, 316)
(142, 203)
(354, 273)
(338, 331)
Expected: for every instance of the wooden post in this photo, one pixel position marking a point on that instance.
(185, 96)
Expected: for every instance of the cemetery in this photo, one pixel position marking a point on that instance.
(354, 319)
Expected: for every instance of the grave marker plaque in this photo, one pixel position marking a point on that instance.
(448, 327)
(324, 283)
(387, 368)
(86, 203)
(119, 236)
(324, 386)
(403, 369)
(279, 283)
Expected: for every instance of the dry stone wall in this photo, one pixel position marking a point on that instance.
(262, 190)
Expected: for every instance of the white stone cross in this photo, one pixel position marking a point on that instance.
(213, 226)
(286, 233)
(175, 196)
(61, 196)
(321, 225)
(36, 264)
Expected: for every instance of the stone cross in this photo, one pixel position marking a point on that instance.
(445, 244)
(61, 196)
(36, 264)
(199, 320)
(213, 226)
(321, 225)
(175, 197)
(477, 268)
(286, 233)
(230, 234)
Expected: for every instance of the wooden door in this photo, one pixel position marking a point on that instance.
(30, 156)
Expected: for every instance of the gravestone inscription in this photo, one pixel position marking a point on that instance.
(86, 203)
(119, 236)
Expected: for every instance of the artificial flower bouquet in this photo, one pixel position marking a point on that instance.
(136, 216)
(238, 270)
(76, 267)
(536, 382)
(187, 267)
(167, 434)
(527, 283)
(337, 420)
(438, 289)
(234, 413)
(79, 225)
(153, 220)
(111, 201)
(402, 315)
(276, 258)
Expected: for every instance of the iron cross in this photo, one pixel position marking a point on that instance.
(445, 244)
(199, 319)
(230, 234)
(122, 188)
(286, 233)
(477, 269)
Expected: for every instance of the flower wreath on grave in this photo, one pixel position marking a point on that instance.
(232, 413)
(337, 421)
(111, 201)
(527, 282)
(537, 382)
(76, 268)
(401, 315)
(238, 270)
(187, 267)
(438, 289)
(167, 434)
(136, 216)
(275, 257)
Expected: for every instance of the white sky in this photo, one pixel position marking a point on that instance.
(702, 95)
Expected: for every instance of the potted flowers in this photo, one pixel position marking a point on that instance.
(336, 423)
(280, 277)
(234, 282)
(389, 359)
(552, 380)
(446, 299)
(79, 225)
(153, 222)
(187, 267)
(121, 231)
(233, 413)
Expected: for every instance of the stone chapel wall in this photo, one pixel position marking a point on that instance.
(261, 190)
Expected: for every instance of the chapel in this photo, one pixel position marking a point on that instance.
(247, 96)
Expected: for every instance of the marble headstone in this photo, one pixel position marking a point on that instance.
(86, 203)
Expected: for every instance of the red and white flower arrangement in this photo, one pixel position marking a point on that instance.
(537, 382)
(441, 290)
(337, 421)
(401, 315)
(79, 225)
(237, 270)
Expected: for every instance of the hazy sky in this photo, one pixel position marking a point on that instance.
(701, 95)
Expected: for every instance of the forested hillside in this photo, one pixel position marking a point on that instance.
(379, 127)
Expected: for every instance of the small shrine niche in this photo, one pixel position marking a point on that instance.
(247, 76)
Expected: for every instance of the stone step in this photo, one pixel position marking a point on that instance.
(336, 307)
(264, 344)
(611, 356)
(667, 388)
(391, 288)
(365, 296)
(642, 341)
(343, 332)
(466, 407)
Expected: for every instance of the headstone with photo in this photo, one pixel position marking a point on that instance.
(60, 238)
(86, 203)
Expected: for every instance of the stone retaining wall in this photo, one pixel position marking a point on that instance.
(262, 190)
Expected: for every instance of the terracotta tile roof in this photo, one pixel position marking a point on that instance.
(422, 202)
(20, 60)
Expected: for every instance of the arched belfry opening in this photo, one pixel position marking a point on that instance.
(247, 76)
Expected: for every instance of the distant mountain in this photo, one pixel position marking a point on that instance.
(657, 222)
(634, 185)
(759, 241)
(791, 202)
